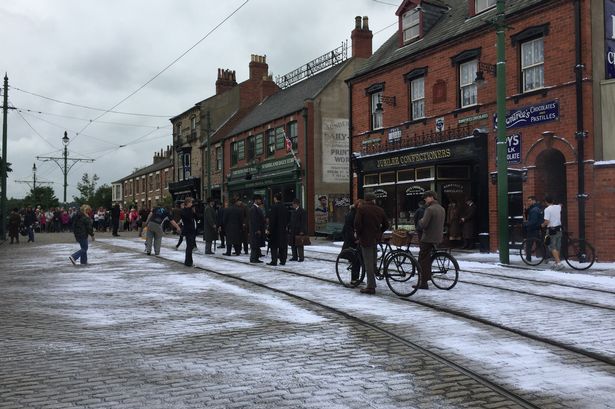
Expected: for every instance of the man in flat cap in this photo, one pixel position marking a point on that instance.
(432, 224)
(369, 223)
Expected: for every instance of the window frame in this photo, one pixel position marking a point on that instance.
(270, 142)
(280, 141)
(409, 24)
(469, 85)
(293, 133)
(250, 151)
(533, 66)
(377, 118)
(413, 100)
(219, 157)
(259, 146)
(483, 5)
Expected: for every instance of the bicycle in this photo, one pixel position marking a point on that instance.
(444, 267)
(578, 254)
(396, 266)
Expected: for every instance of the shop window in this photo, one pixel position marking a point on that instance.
(293, 134)
(388, 177)
(532, 64)
(279, 138)
(425, 173)
(258, 144)
(417, 98)
(376, 109)
(467, 86)
(453, 172)
(270, 142)
(187, 167)
(250, 148)
(369, 180)
(237, 152)
(406, 175)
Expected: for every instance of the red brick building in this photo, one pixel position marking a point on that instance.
(422, 120)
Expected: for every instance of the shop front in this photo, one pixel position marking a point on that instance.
(266, 179)
(456, 170)
(186, 188)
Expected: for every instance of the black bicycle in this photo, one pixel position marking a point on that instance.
(578, 254)
(444, 267)
(396, 266)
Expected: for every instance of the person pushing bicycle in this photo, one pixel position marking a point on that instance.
(432, 224)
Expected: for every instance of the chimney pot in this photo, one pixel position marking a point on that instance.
(357, 22)
(365, 23)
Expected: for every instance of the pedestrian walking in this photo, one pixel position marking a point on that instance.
(233, 227)
(432, 224)
(82, 228)
(188, 221)
(370, 223)
(154, 223)
(277, 230)
(220, 215)
(453, 222)
(257, 229)
(297, 227)
(177, 217)
(533, 223)
(418, 215)
(467, 224)
(210, 227)
(245, 236)
(553, 223)
(348, 233)
(29, 220)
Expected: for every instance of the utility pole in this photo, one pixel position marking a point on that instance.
(208, 124)
(65, 169)
(33, 181)
(3, 165)
(502, 160)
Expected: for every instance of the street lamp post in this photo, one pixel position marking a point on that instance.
(502, 161)
(65, 141)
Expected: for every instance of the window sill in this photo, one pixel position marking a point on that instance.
(541, 91)
(418, 121)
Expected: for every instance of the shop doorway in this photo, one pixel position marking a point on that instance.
(551, 177)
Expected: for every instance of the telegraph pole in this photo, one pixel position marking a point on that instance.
(3, 165)
(65, 169)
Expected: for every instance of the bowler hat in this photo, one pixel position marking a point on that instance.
(430, 193)
(369, 196)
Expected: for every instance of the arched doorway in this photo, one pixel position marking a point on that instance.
(551, 177)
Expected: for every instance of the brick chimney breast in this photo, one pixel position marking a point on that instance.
(361, 38)
(226, 80)
(258, 67)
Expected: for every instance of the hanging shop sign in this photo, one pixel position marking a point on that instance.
(609, 32)
(394, 135)
(530, 115)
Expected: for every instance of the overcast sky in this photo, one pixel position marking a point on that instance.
(97, 53)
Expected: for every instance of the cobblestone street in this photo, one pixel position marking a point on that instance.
(149, 333)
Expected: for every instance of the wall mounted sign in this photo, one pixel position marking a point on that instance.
(473, 118)
(530, 115)
(335, 150)
(440, 124)
(609, 32)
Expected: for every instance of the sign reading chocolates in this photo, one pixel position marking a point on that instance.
(530, 115)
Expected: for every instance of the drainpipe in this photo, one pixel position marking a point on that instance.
(580, 134)
(304, 113)
(350, 190)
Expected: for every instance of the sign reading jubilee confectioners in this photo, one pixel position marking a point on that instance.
(609, 32)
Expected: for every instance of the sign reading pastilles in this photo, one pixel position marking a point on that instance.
(530, 115)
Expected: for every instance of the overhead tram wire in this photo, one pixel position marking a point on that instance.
(165, 68)
(34, 112)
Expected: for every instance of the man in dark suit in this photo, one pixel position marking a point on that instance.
(467, 220)
(257, 229)
(233, 227)
(278, 224)
(369, 223)
(297, 227)
(115, 218)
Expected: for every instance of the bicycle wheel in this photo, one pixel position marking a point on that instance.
(402, 273)
(444, 270)
(348, 268)
(532, 251)
(579, 255)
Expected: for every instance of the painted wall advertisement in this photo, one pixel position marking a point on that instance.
(530, 115)
(335, 150)
(513, 149)
(609, 32)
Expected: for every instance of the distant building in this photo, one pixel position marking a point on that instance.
(146, 187)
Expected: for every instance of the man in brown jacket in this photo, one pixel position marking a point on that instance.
(432, 224)
(369, 223)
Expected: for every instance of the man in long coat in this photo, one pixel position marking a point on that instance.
(467, 227)
(257, 229)
(210, 228)
(432, 224)
(233, 227)
(297, 227)
(278, 227)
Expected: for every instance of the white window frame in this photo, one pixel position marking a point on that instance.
(532, 64)
(410, 22)
(468, 90)
(377, 120)
(482, 5)
(417, 97)
(218, 157)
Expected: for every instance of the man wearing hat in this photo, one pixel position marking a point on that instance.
(257, 229)
(432, 224)
(369, 223)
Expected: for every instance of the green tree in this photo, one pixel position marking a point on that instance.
(87, 189)
(102, 197)
(43, 196)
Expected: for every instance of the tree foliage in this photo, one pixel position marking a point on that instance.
(86, 188)
(102, 197)
(43, 196)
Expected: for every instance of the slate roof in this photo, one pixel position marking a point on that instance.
(160, 165)
(452, 24)
(288, 100)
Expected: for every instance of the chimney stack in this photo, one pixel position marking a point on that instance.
(361, 38)
(226, 81)
(258, 67)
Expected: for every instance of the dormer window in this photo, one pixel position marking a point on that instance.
(482, 5)
(410, 22)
